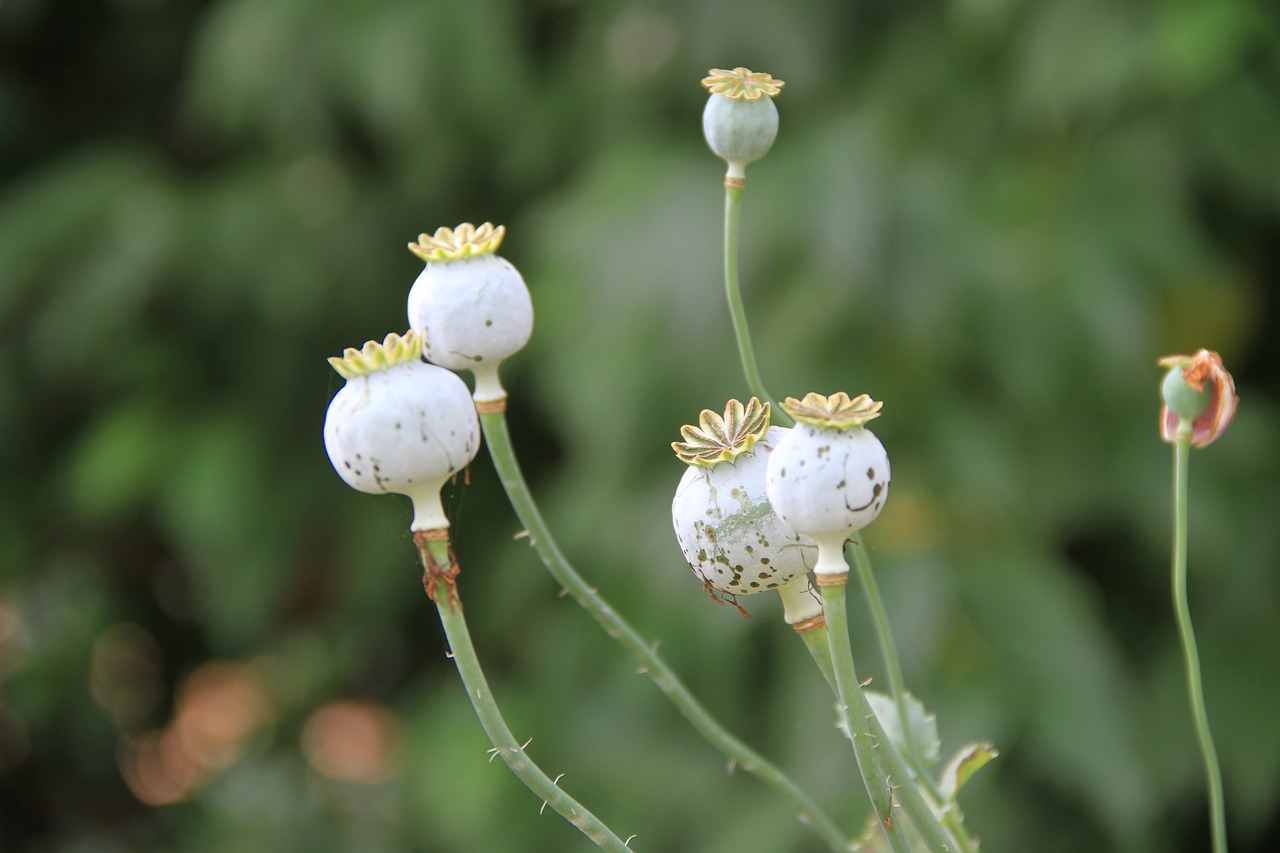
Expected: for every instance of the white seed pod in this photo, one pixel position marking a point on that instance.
(740, 121)
(472, 306)
(400, 425)
(730, 535)
(830, 475)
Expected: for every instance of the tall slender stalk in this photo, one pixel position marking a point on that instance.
(1190, 654)
(498, 438)
(435, 556)
(884, 773)
(892, 664)
(898, 690)
(733, 291)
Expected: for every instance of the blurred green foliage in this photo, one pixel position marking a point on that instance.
(992, 214)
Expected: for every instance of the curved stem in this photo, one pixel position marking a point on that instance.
(505, 745)
(897, 689)
(884, 772)
(732, 217)
(1191, 657)
(892, 663)
(498, 439)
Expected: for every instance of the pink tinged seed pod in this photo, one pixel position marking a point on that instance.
(472, 306)
(830, 475)
(400, 425)
(1197, 388)
(730, 535)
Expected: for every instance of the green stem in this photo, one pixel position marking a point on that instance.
(897, 689)
(504, 742)
(879, 761)
(1191, 657)
(732, 217)
(815, 639)
(880, 786)
(892, 664)
(498, 439)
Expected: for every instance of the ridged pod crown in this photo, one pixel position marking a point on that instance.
(719, 438)
(835, 412)
(741, 83)
(454, 244)
(373, 356)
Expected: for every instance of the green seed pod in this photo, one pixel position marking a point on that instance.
(400, 425)
(740, 121)
(1199, 390)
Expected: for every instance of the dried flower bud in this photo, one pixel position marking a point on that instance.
(740, 121)
(1199, 390)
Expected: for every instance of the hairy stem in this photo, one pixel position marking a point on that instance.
(897, 689)
(884, 773)
(498, 439)
(505, 745)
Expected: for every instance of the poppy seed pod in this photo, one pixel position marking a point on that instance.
(472, 306)
(400, 425)
(740, 121)
(1197, 389)
(829, 476)
(730, 535)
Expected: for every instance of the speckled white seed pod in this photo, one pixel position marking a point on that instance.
(830, 475)
(729, 534)
(472, 306)
(400, 425)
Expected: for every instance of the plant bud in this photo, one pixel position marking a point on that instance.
(1198, 389)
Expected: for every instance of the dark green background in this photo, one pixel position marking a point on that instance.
(992, 214)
